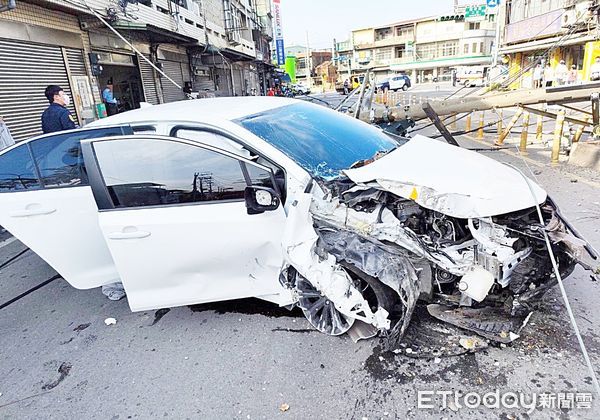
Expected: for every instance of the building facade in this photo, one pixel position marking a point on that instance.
(548, 31)
(426, 49)
(216, 47)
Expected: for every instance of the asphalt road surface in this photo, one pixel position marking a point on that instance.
(251, 360)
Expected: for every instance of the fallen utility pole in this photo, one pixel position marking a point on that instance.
(560, 95)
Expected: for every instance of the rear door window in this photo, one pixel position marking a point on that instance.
(59, 157)
(17, 170)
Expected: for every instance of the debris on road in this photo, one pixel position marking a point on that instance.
(114, 291)
(284, 407)
(110, 321)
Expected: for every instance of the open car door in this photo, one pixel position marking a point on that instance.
(175, 219)
(46, 203)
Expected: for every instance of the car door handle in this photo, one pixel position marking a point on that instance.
(38, 211)
(138, 234)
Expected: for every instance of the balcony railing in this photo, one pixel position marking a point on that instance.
(394, 40)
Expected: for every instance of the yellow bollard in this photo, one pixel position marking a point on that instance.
(468, 123)
(509, 127)
(524, 134)
(481, 123)
(579, 132)
(453, 122)
(539, 128)
(558, 129)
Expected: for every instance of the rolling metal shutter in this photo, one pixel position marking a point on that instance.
(76, 62)
(148, 81)
(25, 71)
(172, 93)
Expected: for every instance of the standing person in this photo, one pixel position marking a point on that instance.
(346, 84)
(595, 70)
(57, 117)
(109, 99)
(538, 75)
(453, 77)
(548, 75)
(572, 75)
(561, 73)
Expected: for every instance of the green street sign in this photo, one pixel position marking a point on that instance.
(475, 11)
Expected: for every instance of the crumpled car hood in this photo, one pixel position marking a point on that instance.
(448, 179)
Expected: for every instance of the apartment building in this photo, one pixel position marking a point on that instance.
(426, 49)
(218, 47)
(547, 31)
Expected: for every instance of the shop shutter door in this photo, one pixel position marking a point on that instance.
(172, 93)
(148, 81)
(76, 62)
(25, 71)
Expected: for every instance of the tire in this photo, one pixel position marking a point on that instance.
(404, 88)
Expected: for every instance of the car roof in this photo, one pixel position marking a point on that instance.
(226, 108)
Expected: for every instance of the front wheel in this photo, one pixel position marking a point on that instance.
(405, 88)
(320, 312)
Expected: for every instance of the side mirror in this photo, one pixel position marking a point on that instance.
(260, 199)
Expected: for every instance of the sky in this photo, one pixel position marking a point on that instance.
(328, 19)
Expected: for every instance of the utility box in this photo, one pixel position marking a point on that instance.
(101, 110)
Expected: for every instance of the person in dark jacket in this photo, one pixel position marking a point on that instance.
(57, 117)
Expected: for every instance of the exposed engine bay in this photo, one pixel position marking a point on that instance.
(375, 256)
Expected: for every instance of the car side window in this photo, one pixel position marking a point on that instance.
(17, 170)
(260, 177)
(215, 140)
(59, 158)
(156, 172)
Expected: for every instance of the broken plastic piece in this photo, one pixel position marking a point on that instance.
(476, 283)
(110, 321)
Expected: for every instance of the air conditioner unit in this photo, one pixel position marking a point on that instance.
(234, 37)
(583, 11)
(569, 18)
(201, 71)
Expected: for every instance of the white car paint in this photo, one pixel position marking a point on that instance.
(61, 226)
(472, 186)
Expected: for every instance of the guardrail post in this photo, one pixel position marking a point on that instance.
(524, 133)
(481, 123)
(558, 130)
(509, 127)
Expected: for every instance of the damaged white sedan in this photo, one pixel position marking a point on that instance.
(290, 202)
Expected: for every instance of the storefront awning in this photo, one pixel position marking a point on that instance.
(544, 44)
(155, 34)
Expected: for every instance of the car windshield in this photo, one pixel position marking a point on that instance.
(320, 140)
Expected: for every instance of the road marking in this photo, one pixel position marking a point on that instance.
(7, 242)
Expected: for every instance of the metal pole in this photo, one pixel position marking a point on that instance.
(308, 63)
(509, 127)
(524, 133)
(453, 122)
(558, 129)
(468, 123)
(481, 123)
(362, 94)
